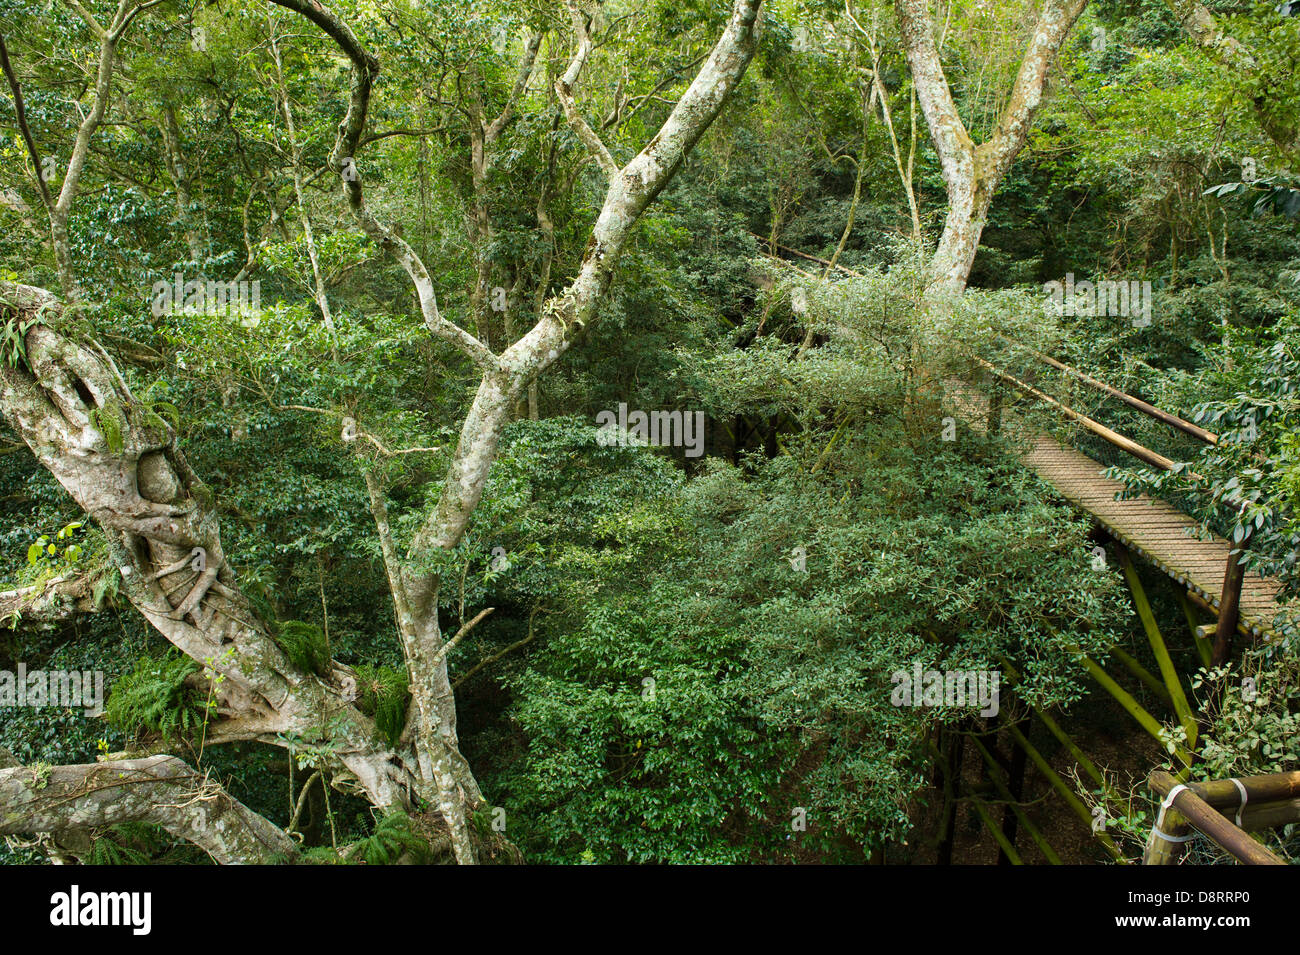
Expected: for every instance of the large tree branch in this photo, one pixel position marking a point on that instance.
(567, 314)
(494, 129)
(161, 790)
(123, 467)
(343, 160)
(49, 604)
(971, 173)
(564, 86)
(1054, 25)
(952, 142)
(20, 110)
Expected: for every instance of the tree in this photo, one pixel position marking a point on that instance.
(973, 171)
(123, 464)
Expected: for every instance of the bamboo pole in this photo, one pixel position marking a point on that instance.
(1003, 843)
(1013, 676)
(1068, 794)
(1186, 427)
(1114, 437)
(1223, 793)
(1013, 804)
(1205, 819)
(1134, 708)
(1197, 600)
(1268, 815)
(1158, 648)
(1151, 681)
(1194, 624)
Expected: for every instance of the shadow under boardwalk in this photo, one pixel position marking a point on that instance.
(1162, 534)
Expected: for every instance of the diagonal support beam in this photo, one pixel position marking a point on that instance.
(1167, 670)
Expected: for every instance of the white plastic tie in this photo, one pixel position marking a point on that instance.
(1160, 820)
(1241, 789)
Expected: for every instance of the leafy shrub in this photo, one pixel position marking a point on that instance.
(382, 695)
(155, 697)
(306, 646)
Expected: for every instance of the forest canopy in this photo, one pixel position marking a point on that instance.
(613, 432)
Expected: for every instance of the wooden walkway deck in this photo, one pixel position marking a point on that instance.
(1162, 534)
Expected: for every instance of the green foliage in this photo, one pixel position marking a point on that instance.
(768, 686)
(305, 644)
(138, 843)
(394, 836)
(61, 552)
(156, 697)
(382, 695)
(699, 688)
(13, 335)
(110, 421)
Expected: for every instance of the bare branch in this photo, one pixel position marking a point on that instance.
(951, 140)
(498, 125)
(21, 111)
(564, 90)
(1054, 25)
(343, 160)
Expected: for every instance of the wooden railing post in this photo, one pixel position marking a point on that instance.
(1229, 606)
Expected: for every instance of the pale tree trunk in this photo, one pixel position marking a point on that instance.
(70, 801)
(484, 135)
(971, 172)
(174, 159)
(123, 467)
(59, 207)
(878, 91)
(508, 375)
(319, 291)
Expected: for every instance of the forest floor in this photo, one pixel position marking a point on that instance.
(1120, 749)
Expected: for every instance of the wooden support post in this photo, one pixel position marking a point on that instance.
(1068, 794)
(1229, 606)
(987, 742)
(1013, 808)
(1134, 708)
(1014, 792)
(951, 793)
(1148, 678)
(1013, 676)
(1168, 839)
(1006, 849)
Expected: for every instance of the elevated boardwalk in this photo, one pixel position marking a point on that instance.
(1162, 534)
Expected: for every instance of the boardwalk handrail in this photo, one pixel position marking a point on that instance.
(1150, 410)
(1096, 427)
(1199, 809)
